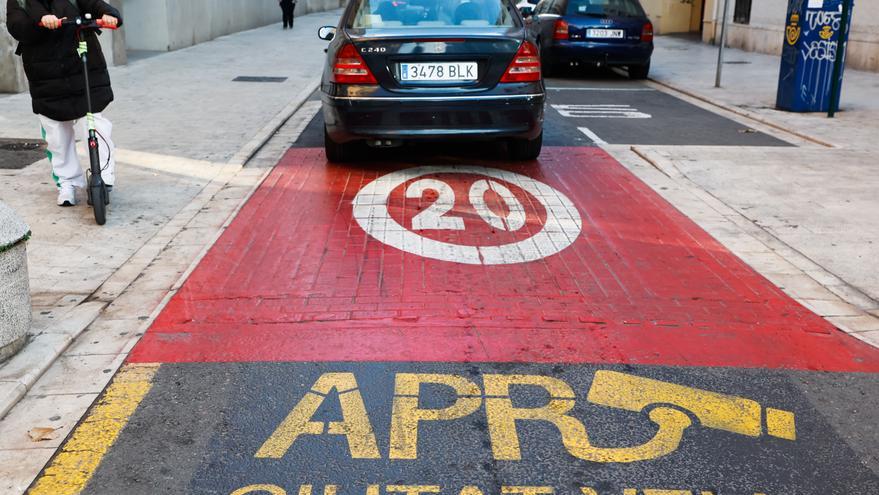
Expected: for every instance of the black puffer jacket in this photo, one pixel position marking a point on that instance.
(54, 70)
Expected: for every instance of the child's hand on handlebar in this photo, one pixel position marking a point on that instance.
(110, 21)
(51, 22)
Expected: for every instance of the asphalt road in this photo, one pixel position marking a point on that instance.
(199, 429)
(380, 328)
(612, 110)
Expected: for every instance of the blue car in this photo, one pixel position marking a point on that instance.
(615, 33)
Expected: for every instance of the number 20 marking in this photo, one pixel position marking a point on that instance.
(433, 218)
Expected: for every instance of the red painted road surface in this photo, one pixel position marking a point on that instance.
(295, 278)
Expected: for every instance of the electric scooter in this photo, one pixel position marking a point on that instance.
(98, 194)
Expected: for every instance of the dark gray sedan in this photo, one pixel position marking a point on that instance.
(405, 70)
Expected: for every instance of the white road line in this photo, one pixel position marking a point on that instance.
(592, 136)
(601, 112)
(599, 89)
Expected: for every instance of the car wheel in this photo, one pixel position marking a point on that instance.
(338, 152)
(639, 71)
(525, 149)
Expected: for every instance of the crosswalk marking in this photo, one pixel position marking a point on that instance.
(592, 136)
(601, 112)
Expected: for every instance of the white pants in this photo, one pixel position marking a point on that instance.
(61, 140)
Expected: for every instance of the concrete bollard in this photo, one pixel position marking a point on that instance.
(15, 298)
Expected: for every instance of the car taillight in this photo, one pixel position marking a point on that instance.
(350, 68)
(647, 32)
(525, 66)
(561, 30)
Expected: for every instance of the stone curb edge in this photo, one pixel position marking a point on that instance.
(67, 329)
(742, 113)
(857, 322)
(93, 306)
(262, 137)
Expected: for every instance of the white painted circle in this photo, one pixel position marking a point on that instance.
(561, 228)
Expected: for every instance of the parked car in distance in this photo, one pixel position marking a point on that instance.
(446, 70)
(614, 33)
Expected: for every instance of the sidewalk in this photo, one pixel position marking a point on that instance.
(817, 201)
(184, 129)
(186, 104)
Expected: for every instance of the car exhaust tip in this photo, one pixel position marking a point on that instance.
(384, 143)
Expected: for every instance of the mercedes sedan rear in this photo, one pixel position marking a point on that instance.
(447, 70)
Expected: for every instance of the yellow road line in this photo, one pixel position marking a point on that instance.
(74, 465)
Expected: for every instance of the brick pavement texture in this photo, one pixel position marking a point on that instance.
(295, 278)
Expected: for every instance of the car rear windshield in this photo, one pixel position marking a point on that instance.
(625, 8)
(395, 14)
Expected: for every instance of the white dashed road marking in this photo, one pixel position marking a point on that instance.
(601, 112)
(592, 136)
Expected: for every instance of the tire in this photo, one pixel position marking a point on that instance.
(639, 72)
(99, 200)
(338, 152)
(525, 149)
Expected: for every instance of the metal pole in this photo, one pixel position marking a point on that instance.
(722, 42)
(837, 62)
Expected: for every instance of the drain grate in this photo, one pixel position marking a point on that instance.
(737, 62)
(261, 79)
(19, 153)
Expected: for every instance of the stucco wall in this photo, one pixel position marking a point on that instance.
(12, 78)
(765, 31)
(11, 74)
(174, 24)
(672, 16)
(164, 25)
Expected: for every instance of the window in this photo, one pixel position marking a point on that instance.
(396, 14)
(742, 12)
(554, 7)
(600, 8)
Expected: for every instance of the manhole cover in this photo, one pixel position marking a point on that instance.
(259, 79)
(19, 153)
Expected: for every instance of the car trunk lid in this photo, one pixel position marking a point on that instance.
(603, 28)
(386, 53)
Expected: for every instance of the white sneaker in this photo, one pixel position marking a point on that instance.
(66, 195)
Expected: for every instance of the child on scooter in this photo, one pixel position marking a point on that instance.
(55, 79)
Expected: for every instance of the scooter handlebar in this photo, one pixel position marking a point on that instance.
(85, 23)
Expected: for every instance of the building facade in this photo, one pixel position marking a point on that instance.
(758, 25)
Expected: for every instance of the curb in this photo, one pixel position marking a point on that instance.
(20, 373)
(262, 137)
(857, 320)
(742, 113)
(25, 368)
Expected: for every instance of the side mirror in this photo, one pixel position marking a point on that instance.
(326, 33)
